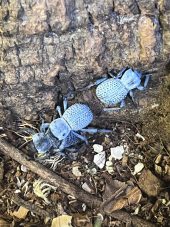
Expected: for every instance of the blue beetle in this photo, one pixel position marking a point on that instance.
(63, 132)
(74, 120)
(112, 91)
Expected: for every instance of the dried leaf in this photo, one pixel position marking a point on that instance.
(149, 183)
(113, 187)
(62, 221)
(158, 159)
(117, 205)
(3, 223)
(134, 196)
(80, 220)
(117, 152)
(158, 169)
(125, 161)
(21, 213)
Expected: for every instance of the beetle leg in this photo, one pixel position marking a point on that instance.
(132, 95)
(97, 82)
(44, 127)
(122, 104)
(147, 78)
(111, 75)
(58, 109)
(95, 130)
(65, 104)
(111, 109)
(140, 87)
(80, 137)
(120, 74)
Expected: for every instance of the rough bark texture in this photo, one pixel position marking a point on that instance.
(48, 45)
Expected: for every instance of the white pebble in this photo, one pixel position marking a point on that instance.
(138, 168)
(100, 159)
(98, 148)
(117, 152)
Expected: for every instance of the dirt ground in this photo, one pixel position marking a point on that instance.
(136, 183)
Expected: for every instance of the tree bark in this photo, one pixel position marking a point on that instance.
(49, 46)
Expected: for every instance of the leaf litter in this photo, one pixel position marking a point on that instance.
(114, 167)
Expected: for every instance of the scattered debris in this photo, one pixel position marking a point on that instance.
(20, 182)
(84, 206)
(80, 220)
(108, 180)
(92, 171)
(131, 196)
(42, 189)
(86, 187)
(117, 152)
(24, 168)
(138, 168)
(109, 165)
(149, 183)
(100, 159)
(53, 161)
(140, 136)
(99, 220)
(76, 171)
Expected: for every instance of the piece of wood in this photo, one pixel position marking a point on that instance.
(49, 176)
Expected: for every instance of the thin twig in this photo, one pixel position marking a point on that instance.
(31, 207)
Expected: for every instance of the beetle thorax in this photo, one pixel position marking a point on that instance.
(130, 80)
(60, 128)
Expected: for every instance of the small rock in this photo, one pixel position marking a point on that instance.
(98, 148)
(76, 171)
(138, 168)
(92, 171)
(149, 183)
(117, 152)
(24, 169)
(86, 188)
(100, 159)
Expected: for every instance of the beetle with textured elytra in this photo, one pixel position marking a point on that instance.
(65, 131)
(112, 91)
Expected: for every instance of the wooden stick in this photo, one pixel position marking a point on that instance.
(31, 207)
(49, 176)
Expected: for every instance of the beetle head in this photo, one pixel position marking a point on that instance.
(41, 142)
(131, 79)
(60, 128)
